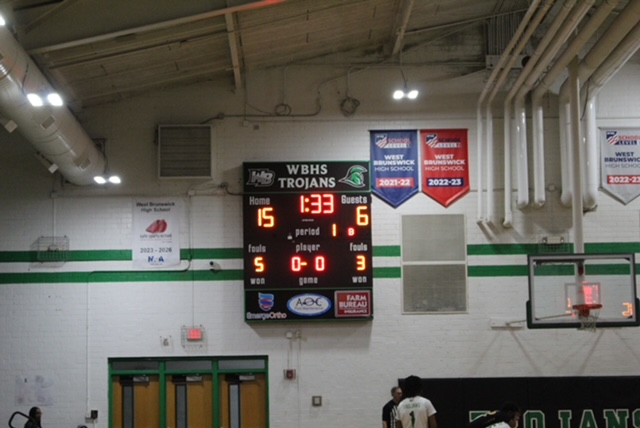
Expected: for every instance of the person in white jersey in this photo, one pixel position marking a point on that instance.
(415, 411)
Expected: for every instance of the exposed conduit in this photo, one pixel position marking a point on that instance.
(578, 42)
(627, 19)
(510, 55)
(53, 131)
(519, 108)
(568, 26)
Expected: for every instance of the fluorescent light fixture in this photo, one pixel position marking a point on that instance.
(400, 94)
(35, 100)
(107, 178)
(55, 99)
(2, 21)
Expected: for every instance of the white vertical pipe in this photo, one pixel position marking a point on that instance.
(508, 213)
(591, 161)
(539, 196)
(510, 55)
(555, 38)
(490, 176)
(518, 91)
(575, 146)
(578, 42)
(521, 154)
(479, 143)
(565, 156)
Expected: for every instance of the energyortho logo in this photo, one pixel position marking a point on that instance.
(265, 301)
(158, 226)
(309, 304)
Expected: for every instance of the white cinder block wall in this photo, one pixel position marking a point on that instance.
(65, 332)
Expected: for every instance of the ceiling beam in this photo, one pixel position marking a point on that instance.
(48, 14)
(157, 26)
(401, 23)
(235, 49)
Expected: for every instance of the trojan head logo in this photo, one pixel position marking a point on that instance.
(355, 176)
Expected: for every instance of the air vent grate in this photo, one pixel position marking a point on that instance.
(184, 151)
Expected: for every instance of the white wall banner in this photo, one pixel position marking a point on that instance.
(156, 232)
(620, 163)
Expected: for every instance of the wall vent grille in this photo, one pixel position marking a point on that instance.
(184, 151)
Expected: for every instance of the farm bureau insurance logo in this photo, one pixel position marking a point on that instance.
(309, 304)
(384, 142)
(621, 140)
(434, 142)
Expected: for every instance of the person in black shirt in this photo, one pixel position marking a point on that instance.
(389, 409)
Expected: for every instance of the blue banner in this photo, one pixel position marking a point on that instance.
(394, 165)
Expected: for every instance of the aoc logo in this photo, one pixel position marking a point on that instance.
(261, 177)
(355, 176)
(309, 304)
(265, 301)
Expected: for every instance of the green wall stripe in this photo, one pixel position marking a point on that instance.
(386, 251)
(495, 271)
(378, 251)
(387, 272)
(120, 276)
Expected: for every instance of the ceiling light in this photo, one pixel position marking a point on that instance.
(2, 21)
(53, 99)
(399, 94)
(107, 178)
(35, 100)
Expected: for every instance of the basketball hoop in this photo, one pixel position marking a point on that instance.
(588, 315)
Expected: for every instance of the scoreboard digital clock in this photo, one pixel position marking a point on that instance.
(307, 241)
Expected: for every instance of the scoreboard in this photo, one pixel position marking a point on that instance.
(307, 241)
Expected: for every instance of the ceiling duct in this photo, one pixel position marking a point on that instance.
(54, 131)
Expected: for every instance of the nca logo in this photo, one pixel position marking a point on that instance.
(261, 177)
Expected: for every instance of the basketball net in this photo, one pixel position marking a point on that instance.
(588, 315)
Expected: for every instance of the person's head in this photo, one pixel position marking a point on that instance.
(412, 386)
(35, 413)
(511, 412)
(396, 394)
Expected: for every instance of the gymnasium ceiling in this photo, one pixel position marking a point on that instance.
(99, 51)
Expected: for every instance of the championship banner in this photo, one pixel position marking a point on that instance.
(156, 233)
(620, 163)
(445, 166)
(394, 159)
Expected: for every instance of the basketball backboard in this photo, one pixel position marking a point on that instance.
(560, 282)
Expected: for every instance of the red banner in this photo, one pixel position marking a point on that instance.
(445, 164)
